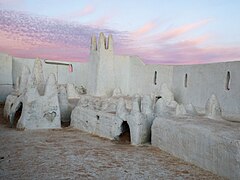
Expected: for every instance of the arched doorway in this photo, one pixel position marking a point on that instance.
(125, 136)
(16, 115)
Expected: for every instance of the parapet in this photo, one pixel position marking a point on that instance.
(103, 44)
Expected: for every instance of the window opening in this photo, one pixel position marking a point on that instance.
(155, 78)
(186, 81)
(228, 78)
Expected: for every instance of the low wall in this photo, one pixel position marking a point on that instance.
(96, 122)
(209, 144)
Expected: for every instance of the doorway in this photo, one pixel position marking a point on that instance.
(125, 136)
(16, 116)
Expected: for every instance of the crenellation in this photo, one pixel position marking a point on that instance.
(110, 45)
(104, 44)
(101, 47)
(93, 43)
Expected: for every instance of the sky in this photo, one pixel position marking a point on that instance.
(158, 31)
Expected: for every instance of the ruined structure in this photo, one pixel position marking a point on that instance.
(38, 100)
(43, 103)
(191, 111)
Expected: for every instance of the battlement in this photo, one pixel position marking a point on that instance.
(103, 44)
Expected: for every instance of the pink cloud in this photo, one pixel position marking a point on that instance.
(158, 49)
(179, 54)
(83, 12)
(182, 52)
(145, 29)
(102, 21)
(17, 47)
(29, 36)
(173, 33)
(87, 10)
(195, 41)
(10, 2)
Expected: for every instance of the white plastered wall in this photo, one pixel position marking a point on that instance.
(77, 77)
(205, 80)
(11, 68)
(122, 73)
(5, 76)
(143, 80)
(129, 74)
(63, 76)
(105, 73)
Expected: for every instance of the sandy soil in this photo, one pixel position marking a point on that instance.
(72, 154)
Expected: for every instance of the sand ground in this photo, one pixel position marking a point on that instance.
(72, 154)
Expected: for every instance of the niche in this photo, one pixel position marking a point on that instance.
(157, 98)
(186, 80)
(17, 115)
(125, 136)
(228, 79)
(155, 78)
(97, 116)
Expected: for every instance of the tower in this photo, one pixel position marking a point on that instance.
(101, 77)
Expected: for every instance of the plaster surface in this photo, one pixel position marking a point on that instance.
(105, 117)
(6, 82)
(121, 88)
(208, 143)
(96, 122)
(36, 99)
(205, 80)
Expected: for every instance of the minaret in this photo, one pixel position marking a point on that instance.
(101, 78)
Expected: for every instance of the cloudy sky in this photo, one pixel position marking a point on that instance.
(158, 31)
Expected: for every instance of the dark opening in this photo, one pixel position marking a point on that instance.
(125, 136)
(65, 120)
(155, 78)
(65, 124)
(186, 81)
(228, 78)
(17, 116)
(97, 117)
(1, 113)
(158, 97)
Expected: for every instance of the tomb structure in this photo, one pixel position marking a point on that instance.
(43, 104)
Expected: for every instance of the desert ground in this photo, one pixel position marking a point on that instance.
(68, 153)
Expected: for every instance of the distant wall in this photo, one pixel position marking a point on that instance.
(108, 71)
(5, 76)
(147, 79)
(105, 71)
(196, 83)
(129, 73)
(63, 76)
(122, 73)
(11, 68)
(77, 77)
